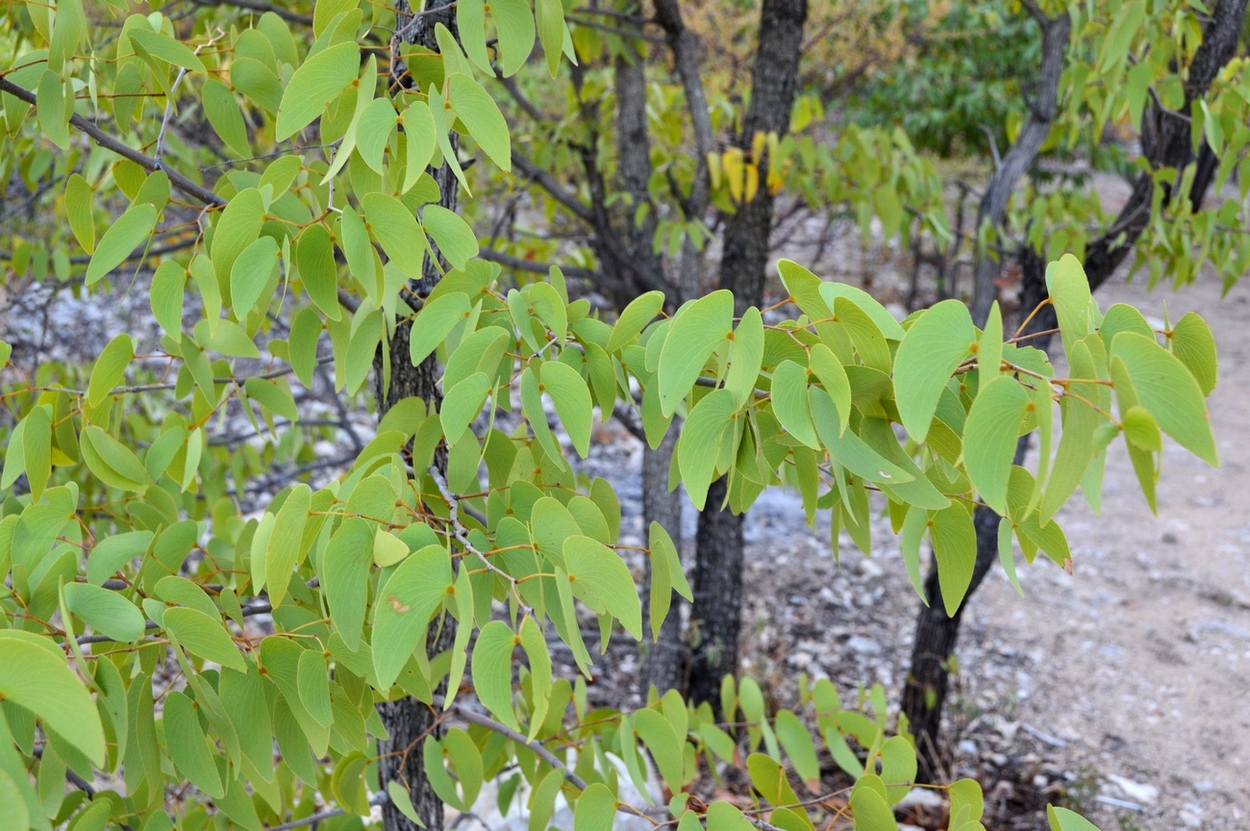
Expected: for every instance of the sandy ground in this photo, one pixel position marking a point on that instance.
(1144, 654)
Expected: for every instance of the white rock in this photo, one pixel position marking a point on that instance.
(1136, 791)
(920, 798)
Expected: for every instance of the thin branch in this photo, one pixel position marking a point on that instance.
(379, 798)
(535, 266)
(108, 142)
(557, 191)
(462, 536)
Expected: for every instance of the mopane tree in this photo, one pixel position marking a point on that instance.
(1172, 72)
(181, 650)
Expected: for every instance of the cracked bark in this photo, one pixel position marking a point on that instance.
(717, 615)
(408, 721)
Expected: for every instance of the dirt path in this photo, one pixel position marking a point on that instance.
(1142, 658)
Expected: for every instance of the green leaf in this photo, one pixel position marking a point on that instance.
(698, 328)
(665, 745)
(397, 231)
(203, 636)
(126, 234)
(285, 551)
(302, 344)
(955, 549)
(421, 141)
(1061, 819)
(67, 34)
(434, 322)
(169, 284)
(37, 678)
(596, 809)
(313, 679)
(745, 357)
(188, 746)
(374, 131)
(314, 258)
(315, 86)
(107, 612)
(551, 32)
(222, 111)
(401, 800)
(37, 450)
(995, 420)
(640, 311)
(404, 607)
(51, 110)
(536, 652)
(273, 396)
(602, 580)
(162, 46)
(869, 808)
(1194, 346)
(1074, 304)
(514, 25)
(492, 670)
(112, 461)
(939, 340)
(850, 450)
(1167, 389)
(250, 274)
(790, 403)
(571, 397)
(898, 767)
(797, 742)
(723, 816)
(700, 442)
(13, 811)
(238, 227)
(345, 578)
(455, 239)
(463, 404)
(78, 203)
(388, 549)
(834, 379)
(1141, 430)
(481, 116)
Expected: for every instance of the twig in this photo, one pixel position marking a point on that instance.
(108, 142)
(462, 535)
(379, 798)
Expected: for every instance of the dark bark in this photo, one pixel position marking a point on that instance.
(1169, 145)
(664, 666)
(716, 617)
(1166, 143)
(407, 720)
(1021, 156)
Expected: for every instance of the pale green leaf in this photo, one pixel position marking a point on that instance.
(345, 578)
(695, 332)
(595, 810)
(79, 200)
(995, 420)
(38, 679)
(126, 234)
(203, 636)
(285, 551)
(702, 437)
(315, 86)
(571, 397)
(492, 670)
(455, 239)
(404, 607)
(481, 116)
(107, 612)
(602, 580)
(939, 340)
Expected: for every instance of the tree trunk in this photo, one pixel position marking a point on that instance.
(1023, 152)
(716, 619)
(717, 614)
(1169, 146)
(408, 721)
(664, 665)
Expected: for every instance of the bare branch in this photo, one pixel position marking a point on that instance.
(181, 182)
